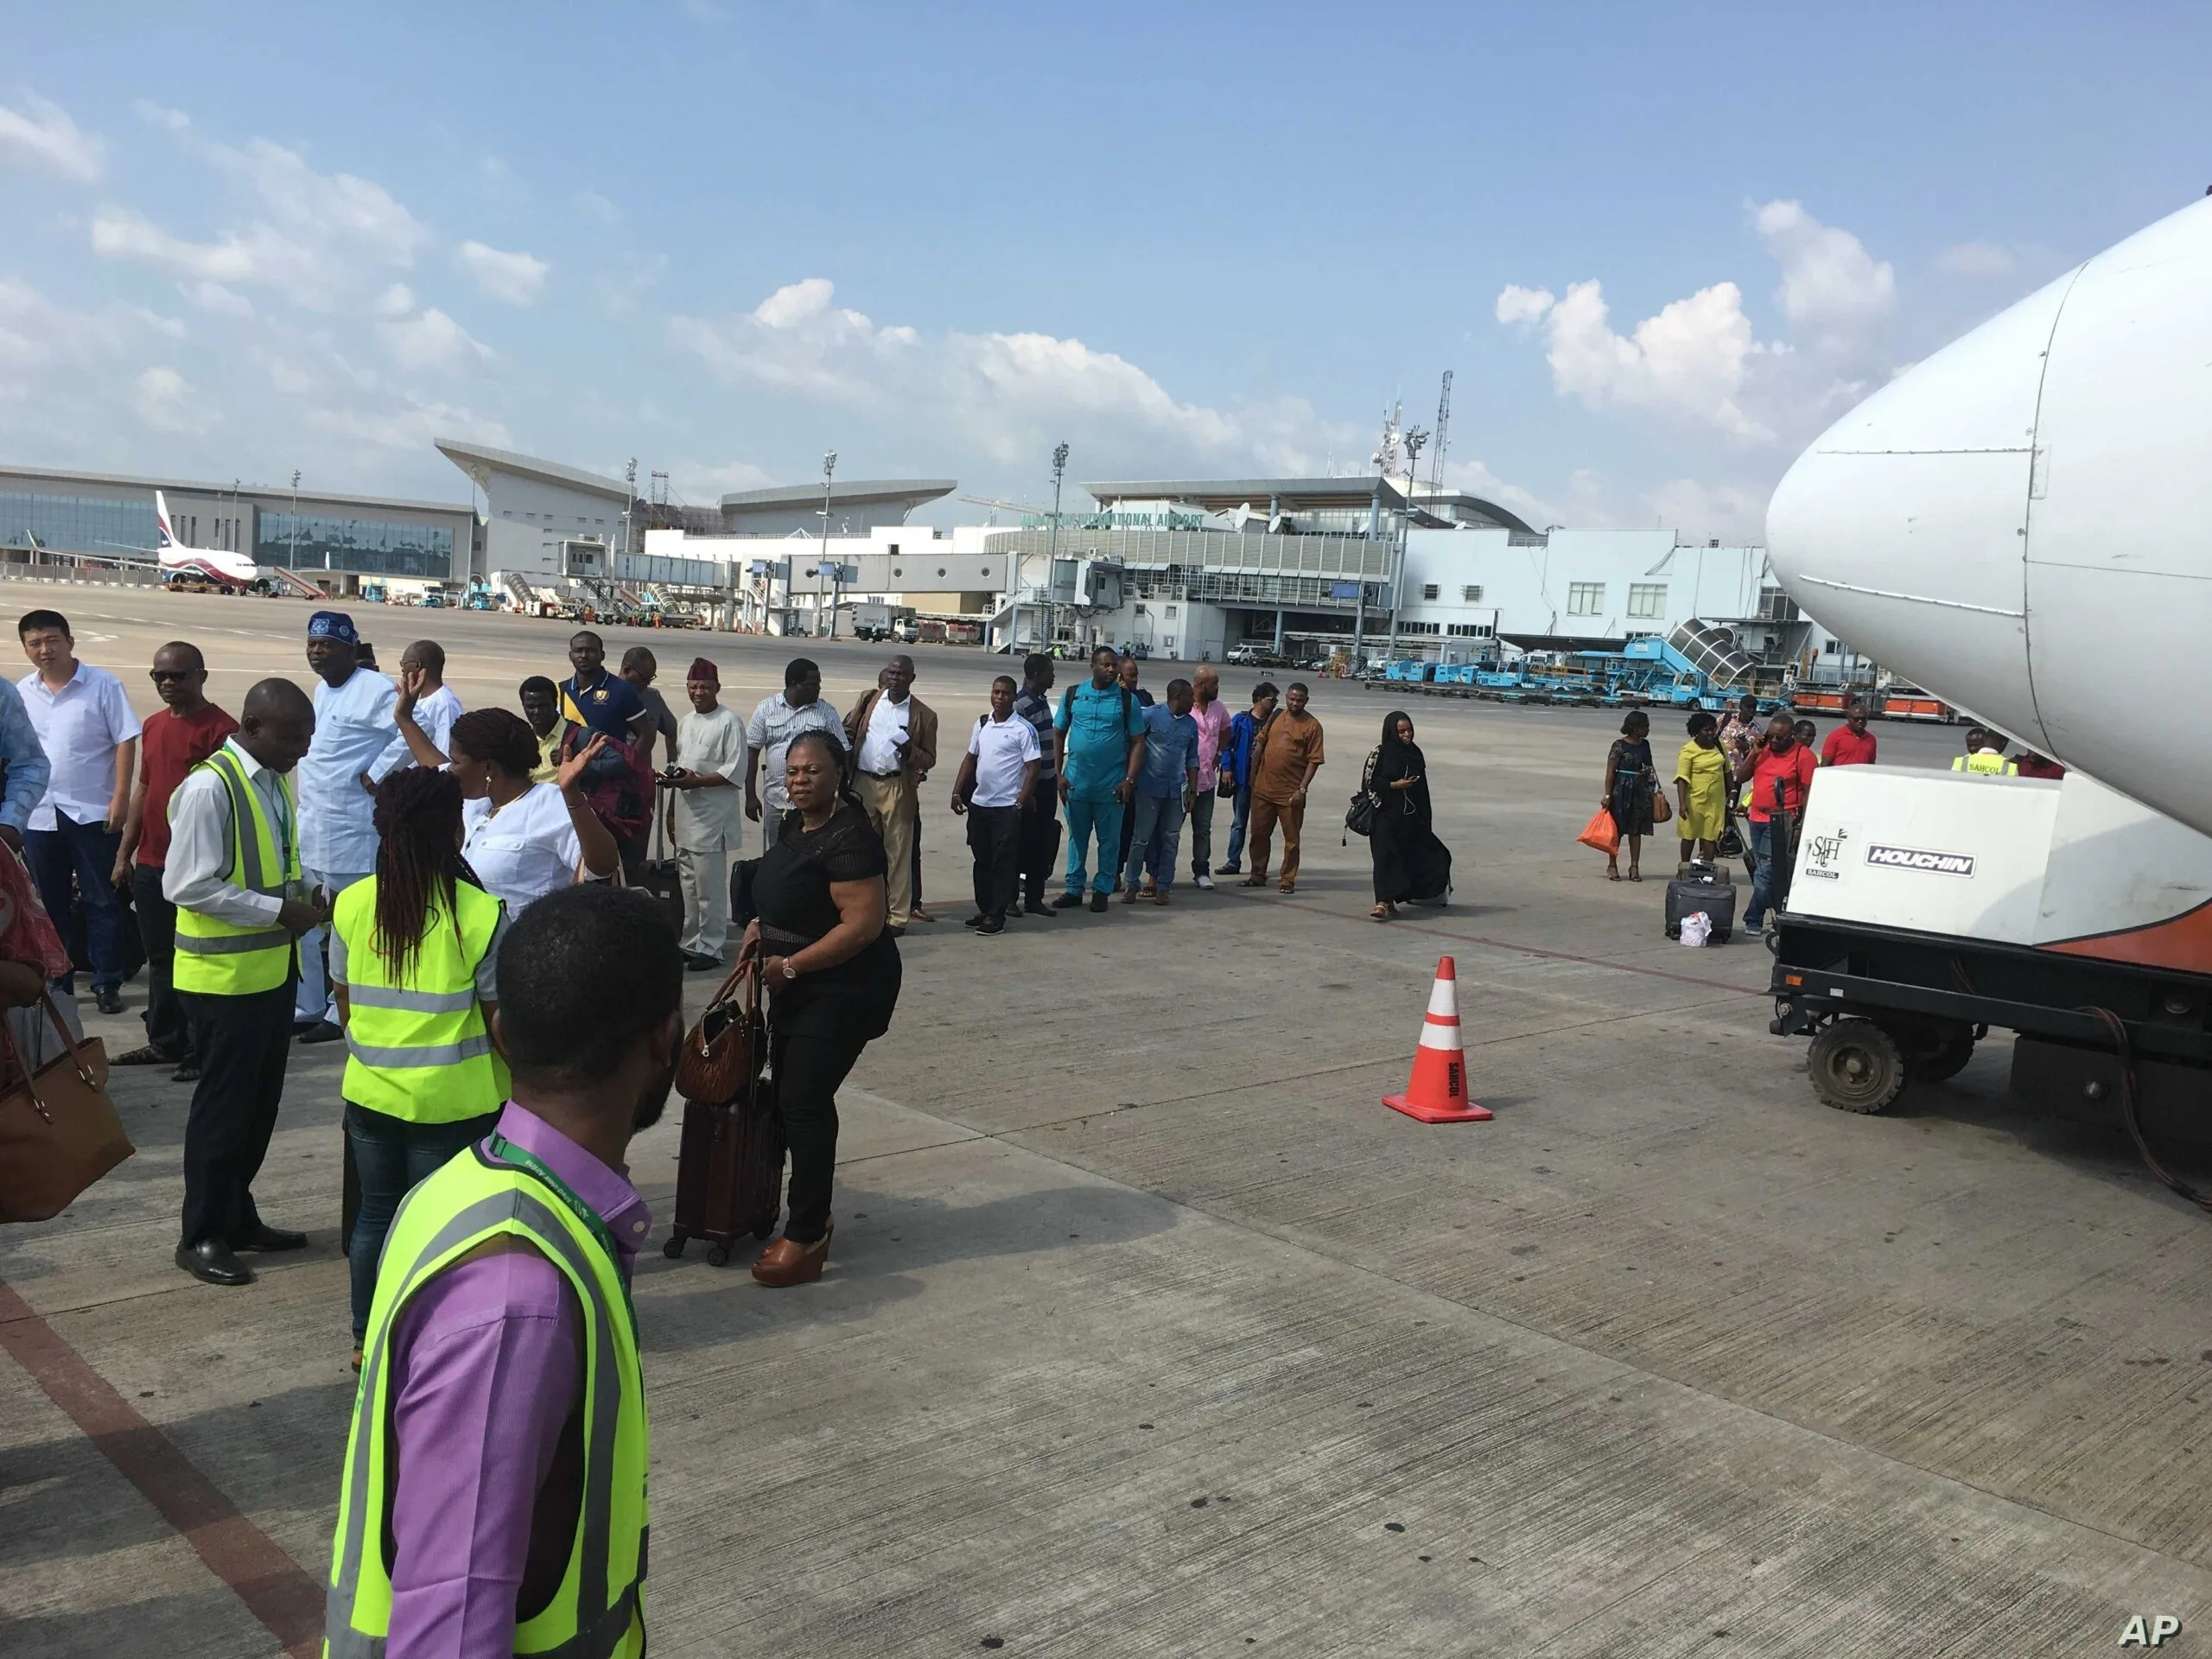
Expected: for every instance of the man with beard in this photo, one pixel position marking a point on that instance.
(500, 1428)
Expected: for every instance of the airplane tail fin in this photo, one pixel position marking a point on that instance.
(165, 538)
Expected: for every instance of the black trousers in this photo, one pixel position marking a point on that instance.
(167, 1028)
(994, 838)
(1039, 853)
(809, 1071)
(242, 1043)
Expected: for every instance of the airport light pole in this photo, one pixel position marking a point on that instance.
(1059, 468)
(296, 518)
(829, 471)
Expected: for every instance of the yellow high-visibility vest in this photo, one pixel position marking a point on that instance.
(1986, 763)
(218, 959)
(419, 1050)
(598, 1612)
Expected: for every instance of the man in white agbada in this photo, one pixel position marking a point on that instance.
(708, 813)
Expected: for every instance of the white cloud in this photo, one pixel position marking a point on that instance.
(1687, 360)
(513, 277)
(1833, 291)
(1518, 304)
(155, 115)
(997, 391)
(432, 340)
(395, 301)
(42, 136)
(1978, 259)
(1734, 513)
(598, 207)
(213, 296)
(315, 238)
(410, 425)
(166, 402)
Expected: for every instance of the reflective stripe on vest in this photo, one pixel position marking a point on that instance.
(220, 958)
(1986, 763)
(419, 1051)
(466, 1204)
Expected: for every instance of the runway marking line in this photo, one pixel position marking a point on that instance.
(271, 1584)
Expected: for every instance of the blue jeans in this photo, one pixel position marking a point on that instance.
(87, 852)
(1101, 822)
(1240, 815)
(1153, 843)
(1762, 877)
(392, 1156)
(1202, 833)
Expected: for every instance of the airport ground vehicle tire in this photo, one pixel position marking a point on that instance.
(1856, 1067)
(1954, 1048)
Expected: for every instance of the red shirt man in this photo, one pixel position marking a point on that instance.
(1851, 744)
(178, 736)
(1789, 769)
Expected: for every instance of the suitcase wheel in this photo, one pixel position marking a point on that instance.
(674, 1247)
(718, 1256)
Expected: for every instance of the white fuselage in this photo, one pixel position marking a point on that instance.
(215, 563)
(2023, 521)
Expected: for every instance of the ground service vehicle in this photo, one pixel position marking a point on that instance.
(2007, 522)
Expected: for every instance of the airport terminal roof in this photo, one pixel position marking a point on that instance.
(479, 463)
(1294, 495)
(34, 475)
(853, 492)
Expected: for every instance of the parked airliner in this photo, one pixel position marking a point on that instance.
(232, 569)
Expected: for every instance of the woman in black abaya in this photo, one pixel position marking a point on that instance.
(1411, 865)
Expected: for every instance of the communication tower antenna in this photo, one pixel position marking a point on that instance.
(1443, 426)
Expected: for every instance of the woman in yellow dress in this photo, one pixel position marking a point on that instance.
(1701, 789)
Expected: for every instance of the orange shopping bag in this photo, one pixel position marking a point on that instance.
(1602, 833)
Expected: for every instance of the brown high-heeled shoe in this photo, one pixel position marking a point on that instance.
(785, 1262)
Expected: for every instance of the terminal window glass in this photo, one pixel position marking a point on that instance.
(1586, 598)
(76, 523)
(1428, 590)
(372, 546)
(1647, 598)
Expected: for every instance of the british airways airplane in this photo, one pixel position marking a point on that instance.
(232, 569)
(2023, 521)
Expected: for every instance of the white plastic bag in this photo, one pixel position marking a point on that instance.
(1697, 928)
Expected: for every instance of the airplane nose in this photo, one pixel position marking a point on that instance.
(1903, 527)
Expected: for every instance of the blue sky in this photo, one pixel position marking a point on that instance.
(1661, 247)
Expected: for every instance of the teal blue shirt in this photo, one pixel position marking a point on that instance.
(1099, 725)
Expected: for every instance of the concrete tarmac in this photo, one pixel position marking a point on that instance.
(1149, 1331)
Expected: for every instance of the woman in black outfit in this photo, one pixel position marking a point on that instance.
(1411, 865)
(1629, 781)
(830, 968)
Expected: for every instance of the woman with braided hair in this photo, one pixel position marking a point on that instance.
(413, 950)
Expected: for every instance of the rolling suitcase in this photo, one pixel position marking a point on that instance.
(1706, 889)
(657, 876)
(729, 1167)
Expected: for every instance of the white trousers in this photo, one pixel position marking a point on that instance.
(705, 880)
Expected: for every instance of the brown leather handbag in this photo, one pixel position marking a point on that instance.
(59, 1132)
(720, 1051)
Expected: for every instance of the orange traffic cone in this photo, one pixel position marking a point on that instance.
(1438, 1093)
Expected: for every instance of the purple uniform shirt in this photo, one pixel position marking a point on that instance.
(486, 1367)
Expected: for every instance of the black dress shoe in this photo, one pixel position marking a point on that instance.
(1098, 902)
(700, 963)
(1067, 900)
(146, 1054)
(300, 1027)
(322, 1031)
(210, 1263)
(188, 1072)
(266, 1239)
(1046, 910)
(108, 999)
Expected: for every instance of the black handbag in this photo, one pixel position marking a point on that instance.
(1360, 810)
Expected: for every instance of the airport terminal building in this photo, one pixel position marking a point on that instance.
(45, 514)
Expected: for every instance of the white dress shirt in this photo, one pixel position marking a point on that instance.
(199, 842)
(774, 723)
(526, 849)
(435, 714)
(79, 726)
(710, 820)
(353, 728)
(887, 724)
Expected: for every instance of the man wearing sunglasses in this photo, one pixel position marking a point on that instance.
(184, 731)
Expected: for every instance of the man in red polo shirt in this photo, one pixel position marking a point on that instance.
(178, 736)
(1851, 744)
(1780, 772)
